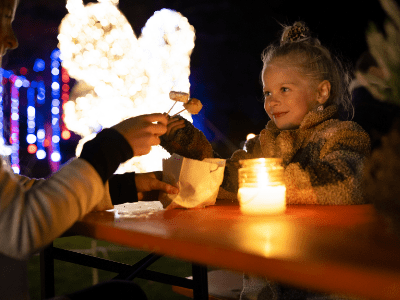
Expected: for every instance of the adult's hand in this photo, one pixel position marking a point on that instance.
(143, 131)
(148, 186)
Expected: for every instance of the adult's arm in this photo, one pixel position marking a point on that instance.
(34, 213)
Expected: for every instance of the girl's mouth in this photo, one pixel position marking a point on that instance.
(278, 115)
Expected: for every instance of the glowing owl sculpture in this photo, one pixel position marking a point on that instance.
(120, 76)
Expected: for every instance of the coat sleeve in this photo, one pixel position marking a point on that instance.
(333, 177)
(189, 142)
(230, 184)
(35, 212)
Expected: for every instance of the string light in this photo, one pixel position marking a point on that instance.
(55, 107)
(16, 84)
(2, 141)
(5, 150)
(41, 152)
(119, 76)
(38, 67)
(31, 114)
(65, 133)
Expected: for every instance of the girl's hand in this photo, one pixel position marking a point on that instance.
(148, 185)
(173, 125)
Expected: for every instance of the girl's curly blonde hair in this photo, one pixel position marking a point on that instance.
(315, 61)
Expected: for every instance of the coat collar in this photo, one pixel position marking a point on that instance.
(285, 143)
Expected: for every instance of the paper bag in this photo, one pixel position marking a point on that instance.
(198, 181)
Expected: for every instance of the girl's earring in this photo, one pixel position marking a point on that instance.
(320, 108)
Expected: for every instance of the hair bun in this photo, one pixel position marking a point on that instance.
(298, 32)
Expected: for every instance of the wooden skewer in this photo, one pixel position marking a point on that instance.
(178, 112)
(171, 108)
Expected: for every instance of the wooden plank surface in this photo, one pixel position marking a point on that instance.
(343, 249)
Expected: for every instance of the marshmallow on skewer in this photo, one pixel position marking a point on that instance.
(193, 106)
(179, 96)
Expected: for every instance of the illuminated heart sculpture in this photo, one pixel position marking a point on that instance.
(119, 76)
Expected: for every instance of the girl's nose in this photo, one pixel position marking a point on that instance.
(11, 41)
(271, 102)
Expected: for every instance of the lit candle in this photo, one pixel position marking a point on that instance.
(261, 186)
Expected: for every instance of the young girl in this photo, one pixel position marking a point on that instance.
(304, 87)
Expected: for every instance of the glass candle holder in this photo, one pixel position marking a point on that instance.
(261, 186)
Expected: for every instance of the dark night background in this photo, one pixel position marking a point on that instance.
(225, 63)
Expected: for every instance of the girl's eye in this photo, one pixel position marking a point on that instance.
(7, 16)
(285, 89)
(266, 94)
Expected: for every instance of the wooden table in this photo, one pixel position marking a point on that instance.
(341, 249)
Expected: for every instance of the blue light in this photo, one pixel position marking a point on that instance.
(41, 154)
(2, 140)
(31, 138)
(7, 74)
(55, 86)
(55, 64)
(41, 92)
(55, 139)
(55, 110)
(25, 83)
(55, 71)
(31, 111)
(41, 134)
(55, 54)
(39, 65)
(55, 156)
(18, 83)
(31, 94)
(14, 128)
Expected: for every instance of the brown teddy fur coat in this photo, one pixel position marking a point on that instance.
(323, 158)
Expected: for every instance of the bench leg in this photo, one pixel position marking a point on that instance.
(47, 272)
(200, 283)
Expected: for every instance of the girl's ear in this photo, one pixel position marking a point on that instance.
(324, 91)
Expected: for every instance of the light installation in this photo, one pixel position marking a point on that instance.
(11, 85)
(121, 76)
(118, 75)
